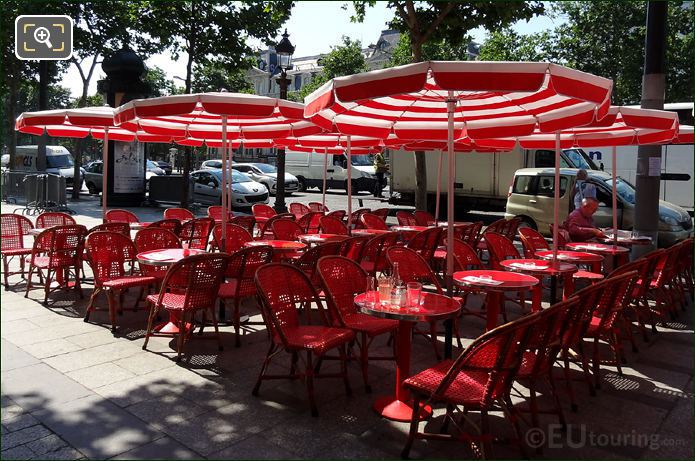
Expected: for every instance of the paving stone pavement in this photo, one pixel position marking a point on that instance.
(72, 390)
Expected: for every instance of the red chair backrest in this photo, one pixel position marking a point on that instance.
(532, 241)
(215, 213)
(342, 279)
(423, 218)
(354, 221)
(173, 225)
(237, 236)
(198, 277)
(62, 245)
(353, 247)
(375, 249)
(197, 232)
(500, 248)
(405, 218)
(412, 267)
(155, 238)
(563, 236)
(109, 252)
(13, 228)
(121, 216)
(382, 213)
(331, 225)
(310, 222)
(286, 229)
(465, 257)
(181, 214)
(299, 209)
(243, 265)
(247, 222)
(261, 210)
(307, 261)
(470, 233)
(318, 206)
(266, 231)
(54, 218)
(425, 243)
(641, 266)
(371, 221)
(337, 214)
(120, 227)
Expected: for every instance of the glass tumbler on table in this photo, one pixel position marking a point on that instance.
(185, 246)
(413, 293)
(384, 289)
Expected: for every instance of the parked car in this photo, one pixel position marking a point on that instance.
(59, 161)
(164, 166)
(267, 175)
(531, 197)
(93, 174)
(211, 164)
(245, 191)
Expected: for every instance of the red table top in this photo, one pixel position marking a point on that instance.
(629, 240)
(369, 231)
(432, 306)
(321, 238)
(537, 266)
(597, 247)
(509, 280)
(409, 228)
(165, 257)
(278, 245)
(571, 256)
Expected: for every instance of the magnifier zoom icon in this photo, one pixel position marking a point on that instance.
(42, 35)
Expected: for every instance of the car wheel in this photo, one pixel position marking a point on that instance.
(92, 189)
(302, 183)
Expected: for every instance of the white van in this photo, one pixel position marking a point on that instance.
(309, 168)
(59, 161)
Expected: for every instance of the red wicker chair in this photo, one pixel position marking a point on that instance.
(478, 380)
(371, 221)
(286, 229)
(500, 248)
(155, 239)
(173, 225)
(354, 220)
(239, 283)
(57, 250)
(353, 247)
(247, 222)
(262, 212)
(661, 289)
(374, 253)
(308, 260)
(310, 222)
(191, 285)
(121, 216)
(237, 236)
(506, 227)
(120, 227)
(342, 279)
(318, 206)
(181, 214)
(215, 213)
(425, 243)
(14, 228)
(424, 218)
(266, 231)
(465, 257)
(633, 307)
(532, 241)
(469, 234)
(331, 225)
(563, 236)
(284, 291)
(54, 218)
(406, 218)
(196, 232)
(382, 213)
(111, 257)
(337, 214)
(299, 209)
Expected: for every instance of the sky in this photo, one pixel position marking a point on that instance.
(314, 27)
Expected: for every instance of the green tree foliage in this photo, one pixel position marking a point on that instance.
(159, 84)
(216, 76)
(431, 51)
(508, 45)
(345, 59)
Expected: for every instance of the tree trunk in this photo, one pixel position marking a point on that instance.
(12, 148)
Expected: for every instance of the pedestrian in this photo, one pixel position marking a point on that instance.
(380, 168)
(580, 223)
(582, 189)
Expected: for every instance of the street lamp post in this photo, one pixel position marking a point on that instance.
(284, 51)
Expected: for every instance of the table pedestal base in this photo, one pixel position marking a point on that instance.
(172, 326)
(396, 410)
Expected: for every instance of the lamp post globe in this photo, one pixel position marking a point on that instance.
(284, 50)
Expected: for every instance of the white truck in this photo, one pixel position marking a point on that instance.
(59, 161)
(483, 180)
(309, 170)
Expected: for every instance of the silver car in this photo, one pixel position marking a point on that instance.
(268, 175)
(207, 189)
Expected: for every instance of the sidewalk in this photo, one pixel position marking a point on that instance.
(73, 390)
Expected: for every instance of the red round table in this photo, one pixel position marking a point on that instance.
(370, 231)
(574, 257)
(432, 306)
(166, 257)
(37, 230)
(499, 283)
(321, 238)
(620, 255)
(282, 249)
(543, 268)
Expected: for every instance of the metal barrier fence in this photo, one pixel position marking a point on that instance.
(40, 192)
(13, 186)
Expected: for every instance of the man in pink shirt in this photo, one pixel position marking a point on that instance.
(580, 223)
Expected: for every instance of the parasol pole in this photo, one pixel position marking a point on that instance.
(615, 199)
(448, 324)
(556, 201)
(325, 173)
(104, 173)
(439, 185)
(225, 203)
(349, 176)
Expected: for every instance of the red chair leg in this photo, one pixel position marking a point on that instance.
(364, 361)
(113, 298)
(309, 376)
(412, 434)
